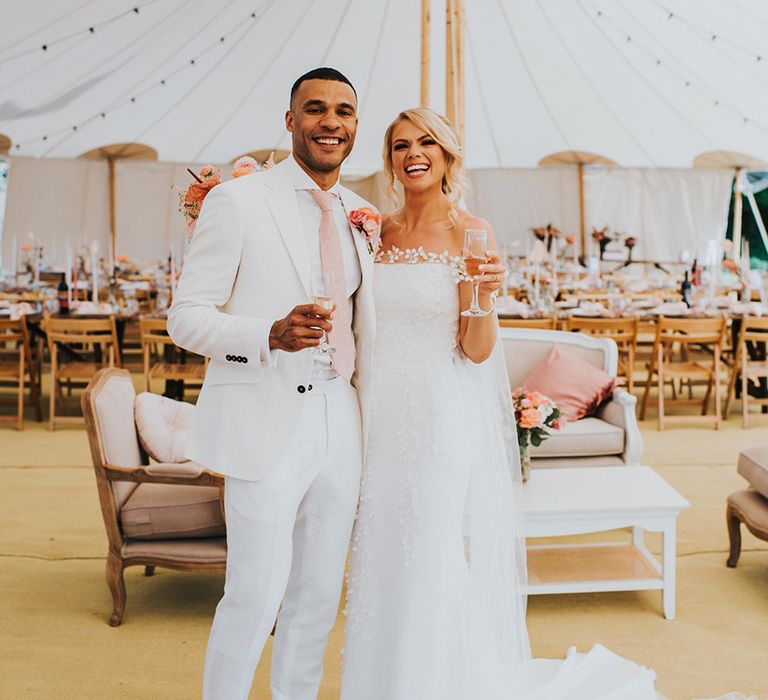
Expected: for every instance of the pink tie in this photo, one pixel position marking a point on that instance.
(335, 285)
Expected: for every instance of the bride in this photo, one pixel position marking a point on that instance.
(436, 603)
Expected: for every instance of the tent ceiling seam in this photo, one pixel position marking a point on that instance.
(593, 87)
(83, 76)
(254, 85)
(483, 101)
(648, 83)
(529, 72)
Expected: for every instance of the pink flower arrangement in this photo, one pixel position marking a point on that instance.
(536, 415)
(368, 223)
(191, 200)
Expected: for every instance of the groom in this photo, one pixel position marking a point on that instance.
(280, 419)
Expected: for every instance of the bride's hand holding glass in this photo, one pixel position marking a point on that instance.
(491, 279)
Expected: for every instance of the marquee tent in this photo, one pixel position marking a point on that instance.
(649, 85)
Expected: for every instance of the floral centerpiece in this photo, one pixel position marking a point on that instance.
(629, 243)
(191, 200)
(600, 236)
(535, 415)
(546, 234)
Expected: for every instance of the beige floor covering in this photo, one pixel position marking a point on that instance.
(55, 642)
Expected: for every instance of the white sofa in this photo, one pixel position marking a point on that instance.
(612, 436)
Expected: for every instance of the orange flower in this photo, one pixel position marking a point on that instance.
(198, 191)
(731, 265)
(26, 247)
(538, 398)
(530, 418)
(569, 239)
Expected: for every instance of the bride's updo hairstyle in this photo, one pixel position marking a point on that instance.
(440, 129)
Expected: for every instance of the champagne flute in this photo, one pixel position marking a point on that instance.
(321, 284)
(475, 248)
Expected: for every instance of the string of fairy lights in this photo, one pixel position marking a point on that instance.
(603, 19)
(87, 31)
(242, 26)
(615, 31)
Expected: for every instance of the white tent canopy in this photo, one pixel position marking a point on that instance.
(542, 75)
(644, 83)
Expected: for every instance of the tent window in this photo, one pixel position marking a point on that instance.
(3, 189)
(757, 183)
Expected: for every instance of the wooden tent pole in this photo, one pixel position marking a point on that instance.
(458, 30)
(450, 66)
(425, 52)
(112, 227)
(582, 224)
(737, 217)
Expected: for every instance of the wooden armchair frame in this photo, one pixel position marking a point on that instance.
(120, 556)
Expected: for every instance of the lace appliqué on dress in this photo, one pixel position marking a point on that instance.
(415, 256)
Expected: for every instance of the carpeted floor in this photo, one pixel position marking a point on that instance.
(55, 641)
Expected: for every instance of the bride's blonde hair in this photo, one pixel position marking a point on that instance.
(454, 183)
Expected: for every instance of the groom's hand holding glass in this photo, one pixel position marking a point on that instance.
(304, 327)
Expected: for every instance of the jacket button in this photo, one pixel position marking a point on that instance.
(301, 388)
(229, 358)
(245, 360)
(309, 387)
(239, 358)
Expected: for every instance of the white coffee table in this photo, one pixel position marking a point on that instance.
(580, 500)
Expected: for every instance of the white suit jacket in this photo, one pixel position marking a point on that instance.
(248, 266)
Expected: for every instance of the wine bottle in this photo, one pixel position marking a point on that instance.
(62, 294)
(685, 290)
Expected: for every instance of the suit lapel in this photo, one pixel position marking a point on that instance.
(282, 202)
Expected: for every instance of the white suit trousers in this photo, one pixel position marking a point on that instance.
(287, 539)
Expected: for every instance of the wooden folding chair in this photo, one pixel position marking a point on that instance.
(689, 335)
(548, 323)
(160, 355)
(90, 345)
(14, 364)
(622, 330)
(753, 330)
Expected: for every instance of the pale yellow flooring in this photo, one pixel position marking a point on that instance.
(55, 642)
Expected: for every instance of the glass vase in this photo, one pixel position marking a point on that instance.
(525, 461)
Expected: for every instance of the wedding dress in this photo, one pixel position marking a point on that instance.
(436, 606)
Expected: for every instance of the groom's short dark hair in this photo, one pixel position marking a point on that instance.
(322, 74)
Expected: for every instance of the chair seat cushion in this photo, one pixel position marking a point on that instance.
(163, 426)
(170, 511)
(577, 387)
(587, 437)
(752, 508)
(753, 466)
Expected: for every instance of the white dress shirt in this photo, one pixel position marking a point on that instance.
(310, 213)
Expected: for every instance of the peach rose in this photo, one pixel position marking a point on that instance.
(26, 247)
(538, 398)
(530, 418)
(207, 171)
(357, 217)
(370, 226)
(198, 191)
(526, 403)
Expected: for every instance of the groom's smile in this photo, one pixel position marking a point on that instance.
(323, 122)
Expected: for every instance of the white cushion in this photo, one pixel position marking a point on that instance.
(582, 438)
(163, 426)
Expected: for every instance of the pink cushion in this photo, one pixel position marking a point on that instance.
(163, 425)
(577, 387)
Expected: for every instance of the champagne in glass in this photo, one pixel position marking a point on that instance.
(475, 248)
(321, 284)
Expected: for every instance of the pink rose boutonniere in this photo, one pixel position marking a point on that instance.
(368, 223)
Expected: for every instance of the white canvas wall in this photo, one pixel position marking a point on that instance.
(66, 201)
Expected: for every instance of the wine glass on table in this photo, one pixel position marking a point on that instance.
(321, 284)
(475, 249)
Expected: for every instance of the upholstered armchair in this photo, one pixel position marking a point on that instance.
(168, 515)
(611, 436)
